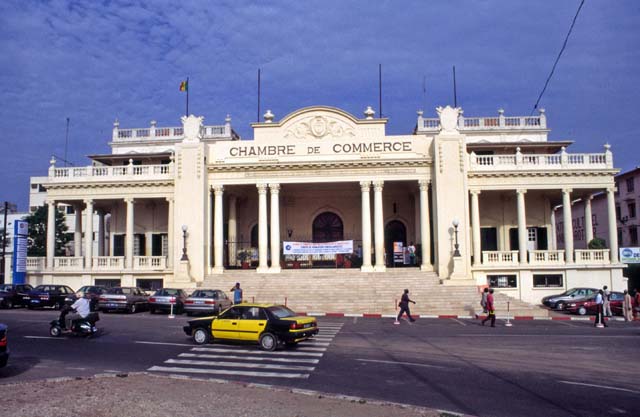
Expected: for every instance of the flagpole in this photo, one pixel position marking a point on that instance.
(187, 114)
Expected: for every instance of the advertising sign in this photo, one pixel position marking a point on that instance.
(20, 233)
(310, 248)
(398, 253)
(630, 255)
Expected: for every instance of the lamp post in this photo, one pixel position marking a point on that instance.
(456, 246)
(184, 243)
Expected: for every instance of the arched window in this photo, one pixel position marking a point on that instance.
(327, 227)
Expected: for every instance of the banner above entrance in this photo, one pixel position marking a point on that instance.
(310, 248)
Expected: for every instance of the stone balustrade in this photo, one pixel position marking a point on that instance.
(170, 134)
(108, 263)
(68, 263)
(496, 123)
(110, 173)
(546, 257)
(541, 162)
(503, 258)
(99, 263)
(149, 262)
(592, 256)
(35, 263)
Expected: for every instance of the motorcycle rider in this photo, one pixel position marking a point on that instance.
(80, 309)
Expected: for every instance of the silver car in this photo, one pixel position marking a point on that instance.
(166, 298)
(206, 301)
(130, 299)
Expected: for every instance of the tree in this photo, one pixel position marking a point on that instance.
(597, 243)
(37, 241)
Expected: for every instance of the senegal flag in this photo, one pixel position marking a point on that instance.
(184, 85)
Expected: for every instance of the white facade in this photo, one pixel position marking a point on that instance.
(322, 174)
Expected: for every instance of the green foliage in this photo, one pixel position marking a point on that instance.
(37, 242)
(597, 243)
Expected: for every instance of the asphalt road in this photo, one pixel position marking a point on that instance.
(535, 368)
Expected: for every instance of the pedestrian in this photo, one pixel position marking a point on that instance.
(606, 302)
(627, 307)
(599, 300)
(490, 309)
(636, 301)
(237, 293)
(412, 254)
(404, 307)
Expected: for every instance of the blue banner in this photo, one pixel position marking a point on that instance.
(20, 234)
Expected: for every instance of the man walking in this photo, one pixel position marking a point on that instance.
(600, 309)
(606, 302)
(491, 309)
(237, 293)
(412, 254)
(627, 307)
(404, 307)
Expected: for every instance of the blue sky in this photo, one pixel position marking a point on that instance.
(95, 61)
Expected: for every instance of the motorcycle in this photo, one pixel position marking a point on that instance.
(79, 327)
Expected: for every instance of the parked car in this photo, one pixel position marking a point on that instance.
(94, 291)
(557, 302)
(164, 298)
(11, 295)
(207, 301)
(269, 325)
(4, 349)
(130, 299)
(588, 305)
(47, 296)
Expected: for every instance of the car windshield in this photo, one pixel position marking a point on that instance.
(6, 287)
(281, 312)
(204, 294)
(167, 291)
(40, 288)
(116, 291)
(571, 291)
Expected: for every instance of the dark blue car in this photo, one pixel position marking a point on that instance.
(47, 296)
(4, 349)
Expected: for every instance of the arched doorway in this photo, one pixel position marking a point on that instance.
(394, 231)
(327, 227)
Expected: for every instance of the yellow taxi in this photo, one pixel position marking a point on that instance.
(270, 325)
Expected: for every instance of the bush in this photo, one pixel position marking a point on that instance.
(597, 243)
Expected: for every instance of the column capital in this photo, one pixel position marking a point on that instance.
(88, 201)
(475, 192)
(275, 188)
(567, 190)
(262, 188)
(611, 189)
(378, 185)
(521, 191)
(170, 199)
(588, 198)
(129, 200)
(365, 186)
(424, 185)
(51, 202)
(218, 189)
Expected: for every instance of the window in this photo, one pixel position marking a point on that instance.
(619, 235)
(547, 280)
(502, 281)
(633, 236)
(618, 216)
(630, 185)
(631, 208)
(327, 227)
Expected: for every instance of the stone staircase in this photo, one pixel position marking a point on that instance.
(351, 291)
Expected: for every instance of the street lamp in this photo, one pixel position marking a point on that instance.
(456, 246)
(184, 243)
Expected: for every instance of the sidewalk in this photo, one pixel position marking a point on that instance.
(151, 395)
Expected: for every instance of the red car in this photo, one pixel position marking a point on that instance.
(588, 305)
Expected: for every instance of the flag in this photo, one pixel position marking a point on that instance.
(184, 86)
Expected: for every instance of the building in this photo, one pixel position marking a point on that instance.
(180, 205)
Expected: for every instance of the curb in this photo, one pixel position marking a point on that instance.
(454, 316)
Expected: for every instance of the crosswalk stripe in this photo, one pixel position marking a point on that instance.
(311, 342)
(311, 349)
(258, 352)
(240, 364)
(249, 358)
(227, 372)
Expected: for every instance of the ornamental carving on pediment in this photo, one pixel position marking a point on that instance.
(318, 127)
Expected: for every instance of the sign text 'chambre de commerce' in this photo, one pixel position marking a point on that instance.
(252, 150)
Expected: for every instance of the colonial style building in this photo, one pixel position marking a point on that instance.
(476, 195)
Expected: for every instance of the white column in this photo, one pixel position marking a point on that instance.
(51, 233)
(129, 234)
(588, 223)
(554, 240)
(88, 234)
(262, 228)
(170, 232)
(522, 227)
(77, 234)
(424, 224)
(475, 227)
(218, 236)
(209, 234)
(378, 224)
(365, 187)
(613, 227)
(568, 225)
(232, 234)
(101, 233)
(275, 227)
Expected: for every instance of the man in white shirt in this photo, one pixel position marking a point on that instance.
(600, 311)
(606, 302)
(82, 307)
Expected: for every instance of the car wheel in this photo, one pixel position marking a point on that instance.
(201, 336)
(55, 331)
(189, 313)
(582, 311)
(57, 305)
(132, 308)
(9, 304)
(560, 305)
(152, 311)
(268, 341)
